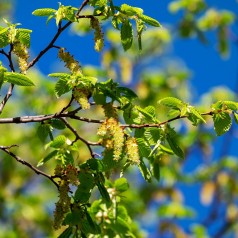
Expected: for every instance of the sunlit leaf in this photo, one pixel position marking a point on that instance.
(18, 79)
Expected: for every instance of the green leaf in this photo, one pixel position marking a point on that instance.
(222, 122)
(44, 12)
(120, 227)
(126, 35)
(156, 169)
(171, 102)
(148, 112)
(121, 185)
(131, 11)
(59, 75)
(58, 141)
(62, 87)
(126, 92)
(95, 228)
(51, 155)
(166, 150)
(95, 164)
(74, 218)
(57, 123)
(149, 20)
(43, 131)
(23, 35)
(152, 135)
(132, 115)
(86, 183)
(4, 40)
(173, 144)
(66, 233)
(103, 191)
(144, 148)
(145, 171)
(196, 113)
(17, 79)
(231, 105)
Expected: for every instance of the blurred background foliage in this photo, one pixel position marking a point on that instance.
(196, 197)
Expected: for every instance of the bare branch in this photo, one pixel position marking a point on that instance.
(18, 159)
(56, 36)
(7, 96)
(78, 137)
(10, 89)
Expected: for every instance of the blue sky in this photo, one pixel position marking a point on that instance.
(208, 68)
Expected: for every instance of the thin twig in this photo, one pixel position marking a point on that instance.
(7, 96)
(18, 159)
(67, 106)
(10, 89)
(56, 36)
(78, 137)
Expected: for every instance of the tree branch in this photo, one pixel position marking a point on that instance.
(10, 89)
(56, 36)
(18, 159)
(78, 137)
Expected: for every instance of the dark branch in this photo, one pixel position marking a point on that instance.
(10, 89)
(78, 137)
(56, 36)
(18, 159)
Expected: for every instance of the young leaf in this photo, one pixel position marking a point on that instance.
(145, 171)
(57, 123)
(156, 169)
(18, 79)
(148, 112)
(196, 113)
(231, 105)
(144, 148)
(103, 191)
(43, 131)
(173, 144)
(126, 92)
(149, 20)
(131, 11)
(62, 87)
(51, 155)
(58, 141)
(171, 102)
(95, 228)
(121, 185)
(222, 122)
(44, 12)
(59, 75)
(23, 35)
(126, 35)
(4, 40)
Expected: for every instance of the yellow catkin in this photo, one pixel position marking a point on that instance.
(98, 34)
(113, 136)
(81, 95)
(70, 62)
(63, 204)
(22, 53)
(132, 150)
